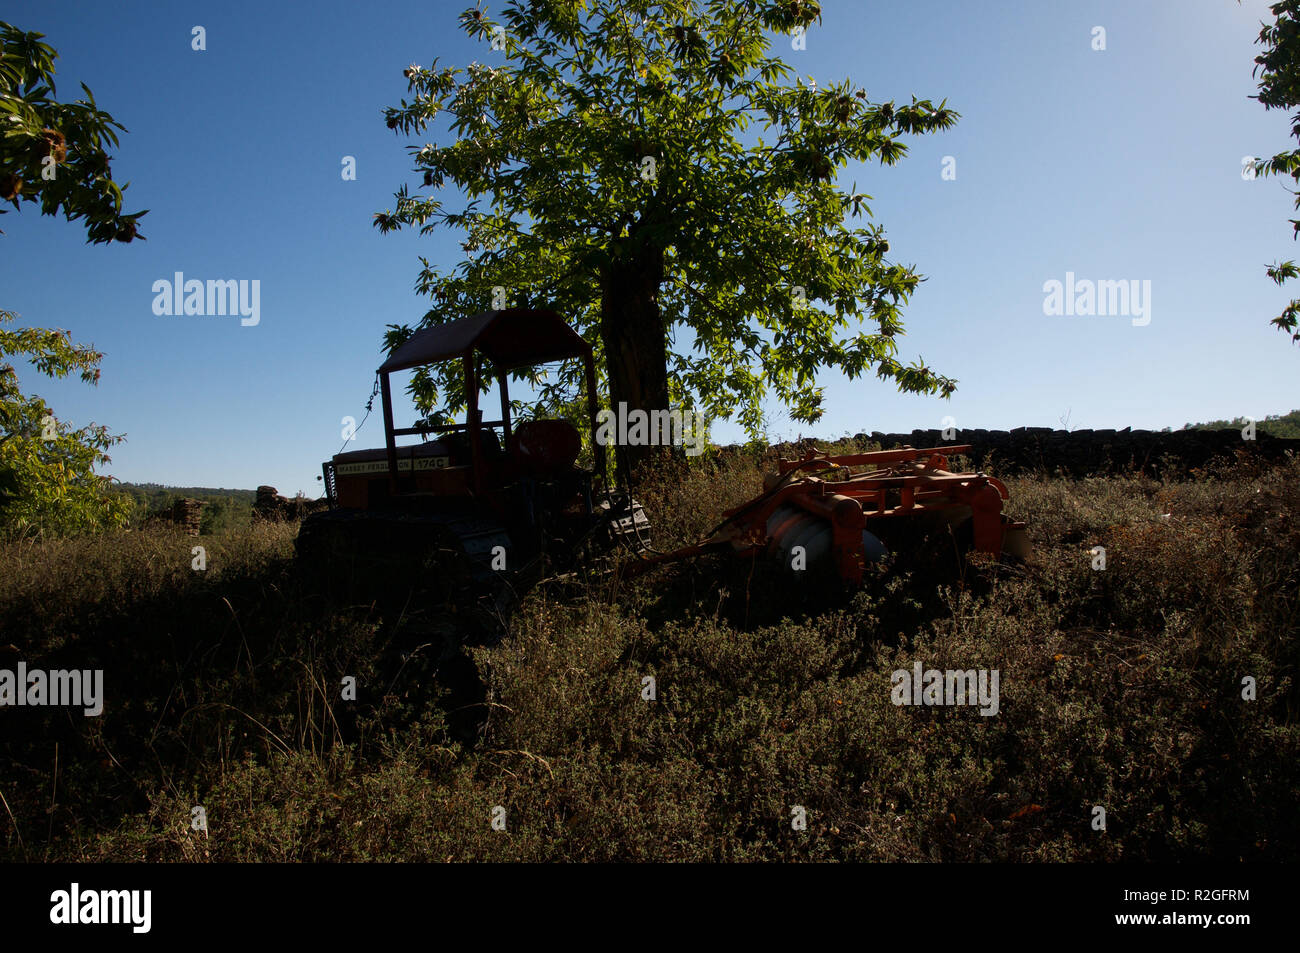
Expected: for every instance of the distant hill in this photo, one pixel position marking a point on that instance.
(226, 509)
(1285, 425)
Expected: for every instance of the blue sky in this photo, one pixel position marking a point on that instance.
(1115, 164)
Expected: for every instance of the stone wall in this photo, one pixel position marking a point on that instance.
(1079, 453)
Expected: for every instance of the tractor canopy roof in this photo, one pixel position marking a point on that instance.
(515, 337)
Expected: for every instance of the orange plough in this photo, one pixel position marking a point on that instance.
(833, 513)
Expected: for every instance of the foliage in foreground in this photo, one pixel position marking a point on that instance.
(1279, 88)
(48, 484)
(53, 154)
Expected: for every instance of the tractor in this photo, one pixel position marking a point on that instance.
(472, 513)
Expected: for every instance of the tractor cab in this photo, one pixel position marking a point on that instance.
(479, 457)
(523, 479)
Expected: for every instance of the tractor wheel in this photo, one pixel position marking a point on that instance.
(417, 566)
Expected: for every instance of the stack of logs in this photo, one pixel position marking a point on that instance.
(188, 514)
(272, 507)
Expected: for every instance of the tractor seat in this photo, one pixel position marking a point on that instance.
(458, 446)
(545, 447)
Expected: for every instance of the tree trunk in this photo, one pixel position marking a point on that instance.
(636, 353)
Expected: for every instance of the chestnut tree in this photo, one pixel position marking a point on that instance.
(648, 167)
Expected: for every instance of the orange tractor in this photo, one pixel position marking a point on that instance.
(474, 511)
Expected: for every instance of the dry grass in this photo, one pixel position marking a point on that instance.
(1120, 688)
